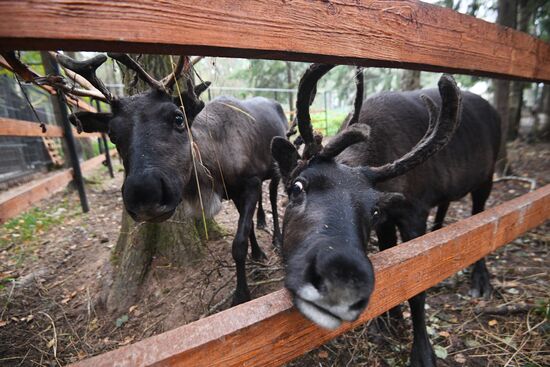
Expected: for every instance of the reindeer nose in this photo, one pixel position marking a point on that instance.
(337, 287)
(146, 196)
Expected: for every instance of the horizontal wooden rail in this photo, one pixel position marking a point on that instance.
(391, 33)
(268, 332)
(12, 127)
(22, 199)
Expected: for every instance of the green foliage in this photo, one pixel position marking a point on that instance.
(332, 124)
(121, 321)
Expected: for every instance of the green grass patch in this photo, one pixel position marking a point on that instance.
(22, 233)
(328, 123)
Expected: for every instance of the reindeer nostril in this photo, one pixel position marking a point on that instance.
(359, 305)
(314, 277)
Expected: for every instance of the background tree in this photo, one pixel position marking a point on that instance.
(410, 80)
(507, 13)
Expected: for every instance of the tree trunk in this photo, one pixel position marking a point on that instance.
(290, 86)
(507, 17)
(178, 239)
(410, 80)
(525, 14)
(541, 129)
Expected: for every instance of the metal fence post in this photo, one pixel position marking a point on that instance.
(71, 145)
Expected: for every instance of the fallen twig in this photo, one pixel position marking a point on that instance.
(509, 309)
(531, 181)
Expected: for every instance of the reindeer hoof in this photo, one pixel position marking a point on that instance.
(258, 255)
(260, 224)
(240, 297)
(481, 286)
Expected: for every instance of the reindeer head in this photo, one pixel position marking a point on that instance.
(332, 207)
(151, 132)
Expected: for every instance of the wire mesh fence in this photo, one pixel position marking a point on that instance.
(23, 155)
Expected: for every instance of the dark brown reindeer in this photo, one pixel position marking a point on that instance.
(195, 156)
(339, 192)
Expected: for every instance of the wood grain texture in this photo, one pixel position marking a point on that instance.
(21, 200)
(12, 127)
(268, 332)
(405, 34)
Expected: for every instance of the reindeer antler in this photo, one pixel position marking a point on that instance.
(306, 95)
(87, 69)
(440, 131)
(358, 102)
(55, 81)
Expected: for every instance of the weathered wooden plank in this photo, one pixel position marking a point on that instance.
(394, 33)
(268, 332)
(21, 200)
(12, 127)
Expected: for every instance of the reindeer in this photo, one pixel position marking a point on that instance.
(196, 155)
(406, 154)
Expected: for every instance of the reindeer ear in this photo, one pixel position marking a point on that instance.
(91, 122)
(199, 89)
(286, 156)
(393, 204)
(191, 103)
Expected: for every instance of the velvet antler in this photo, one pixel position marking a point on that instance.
(440, 131)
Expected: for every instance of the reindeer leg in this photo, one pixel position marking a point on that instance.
(246, 202)
(422, 354)
(260, 214)
(387, 238)
(480, 284)
(440, 216)
(256, 252)
(273, 187)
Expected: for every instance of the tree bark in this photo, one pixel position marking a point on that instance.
(178, 239)
(507, 11)
(541, 129)
(290, 86)
(410, 80)
(525, 14)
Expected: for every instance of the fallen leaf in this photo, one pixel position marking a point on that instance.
(51, 343)
(3, 323)
(323, 354)
(472, 343)
(440, 352)
(121, 320)
(459, 358)
(493, 322)
(444, 334)
(126, 341)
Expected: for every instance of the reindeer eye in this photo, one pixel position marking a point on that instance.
(296, 188)
(179, 121)
(375, 214)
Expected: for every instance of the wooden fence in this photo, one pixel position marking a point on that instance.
(403, 34)
(21, 200)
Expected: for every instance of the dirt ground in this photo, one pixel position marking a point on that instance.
(53, 263)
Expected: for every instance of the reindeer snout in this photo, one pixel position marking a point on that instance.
(336, 287)
(147, 197)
